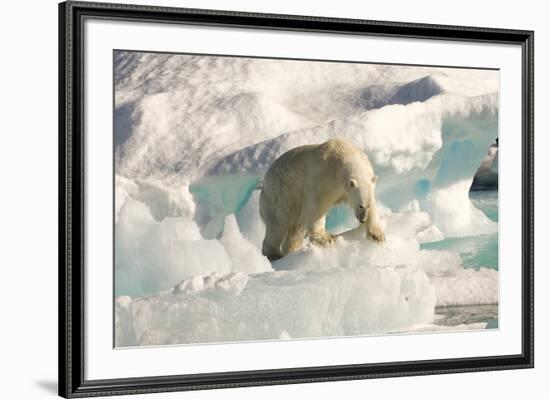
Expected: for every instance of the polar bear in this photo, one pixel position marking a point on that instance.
(303, 184)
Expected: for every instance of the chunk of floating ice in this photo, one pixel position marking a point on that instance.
(467, 287)
(284, 335)
(243, 254)
(124, 330)
(352, 248)
(232, 284)
(151, 256)
(455, 285)
(250, 223)
(210, 280)
(192, 285)
(161, 201)
(123, 301)
(455, 214)
(431, 234)
(332, 302)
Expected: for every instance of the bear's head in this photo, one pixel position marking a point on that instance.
(360, 190)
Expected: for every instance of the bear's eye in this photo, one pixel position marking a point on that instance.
(361, 207)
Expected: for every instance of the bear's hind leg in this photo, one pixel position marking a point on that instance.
(318, 234)
(293, 240)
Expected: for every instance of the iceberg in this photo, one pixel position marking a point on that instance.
(151, 256)
(194, 135)
(356, 287)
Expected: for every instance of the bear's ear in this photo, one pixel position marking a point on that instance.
(374, 179)
(353, 183)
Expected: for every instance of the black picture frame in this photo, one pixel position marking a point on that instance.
(72, 383)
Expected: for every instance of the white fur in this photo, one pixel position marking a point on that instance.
(303, 184)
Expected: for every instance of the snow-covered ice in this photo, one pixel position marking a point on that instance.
(243, 254)
(193, 136)
(330, 302)
(356, 287)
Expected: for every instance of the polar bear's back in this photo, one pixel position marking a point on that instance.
(292, 165)
(343, 151)
(314, 161)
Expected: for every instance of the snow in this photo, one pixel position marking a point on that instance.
(151, 256)
(125, 334)
(251, 226)
(332, 302)
(430, 234)
(161, 201)
(454, 213)
(244, 255)
(192, 285)
(193, 137)
(399, 139)
(467, 287)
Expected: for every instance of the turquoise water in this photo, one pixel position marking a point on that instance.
(475, 251)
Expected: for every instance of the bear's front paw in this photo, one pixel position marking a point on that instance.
(323, 240)
(375, 233)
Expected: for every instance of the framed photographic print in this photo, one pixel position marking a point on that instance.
(252, 199)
